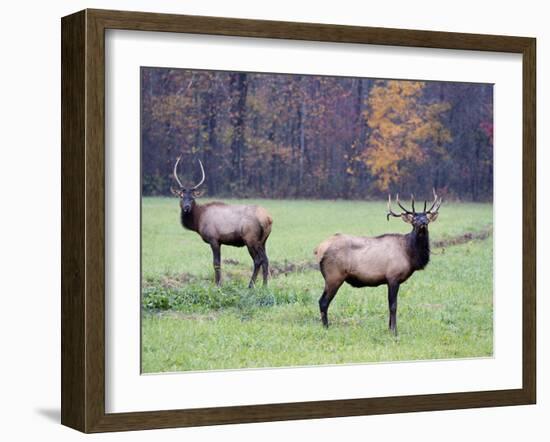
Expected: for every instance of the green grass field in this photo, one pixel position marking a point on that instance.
(445, 311)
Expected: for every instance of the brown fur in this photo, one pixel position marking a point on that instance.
(235, 225)
(363, 261)
(265, 220)
(368, 260)
(221, 224)
(389, 259)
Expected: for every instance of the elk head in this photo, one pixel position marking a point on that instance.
(419, 220)
(187, 195)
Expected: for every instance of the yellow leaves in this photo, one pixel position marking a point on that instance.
(399, 125)
(388, 129)
(410, 88)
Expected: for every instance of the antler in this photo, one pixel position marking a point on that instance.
(176, 172)
(178, 180)
(391, 212)
(399, 204)
(203, 176)
(436, 203)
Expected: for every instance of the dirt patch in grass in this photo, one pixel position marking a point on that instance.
(463, 238)
(285, 268)
(172, 281)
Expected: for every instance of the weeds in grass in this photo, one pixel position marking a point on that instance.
(201, 296)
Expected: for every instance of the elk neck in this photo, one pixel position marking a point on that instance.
(418, 248)
(190, 220)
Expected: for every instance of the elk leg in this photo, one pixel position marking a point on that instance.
(325, 300)
(256, 257)
(216, 252)
(265, 265)
(392, 304)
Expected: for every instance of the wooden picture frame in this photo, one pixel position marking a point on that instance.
(83, 220)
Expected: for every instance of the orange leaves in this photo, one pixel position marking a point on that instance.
(400, 123)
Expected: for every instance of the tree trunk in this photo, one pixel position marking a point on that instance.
(301, 122)
(239, 88)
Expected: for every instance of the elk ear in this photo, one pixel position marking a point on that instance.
(197, 193)
(432, 216)
(175, 192)
(407, 217)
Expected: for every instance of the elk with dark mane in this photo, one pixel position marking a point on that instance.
(372, 261)
(220, 224)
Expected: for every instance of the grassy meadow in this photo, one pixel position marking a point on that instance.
(444, 311)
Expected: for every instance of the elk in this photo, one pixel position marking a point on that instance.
(220, 224)
(372, 261)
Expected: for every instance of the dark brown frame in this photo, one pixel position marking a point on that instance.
(83, 216)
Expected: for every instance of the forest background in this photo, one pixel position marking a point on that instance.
(316, 137)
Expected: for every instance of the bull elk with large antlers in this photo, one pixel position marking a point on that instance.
(372, 261)
(220, 224)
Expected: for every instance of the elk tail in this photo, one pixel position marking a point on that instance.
(266, 221)
(322, 248)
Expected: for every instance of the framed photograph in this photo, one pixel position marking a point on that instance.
(269, 221)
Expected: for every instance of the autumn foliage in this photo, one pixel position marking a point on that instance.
(402, 129)
(294, 136)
